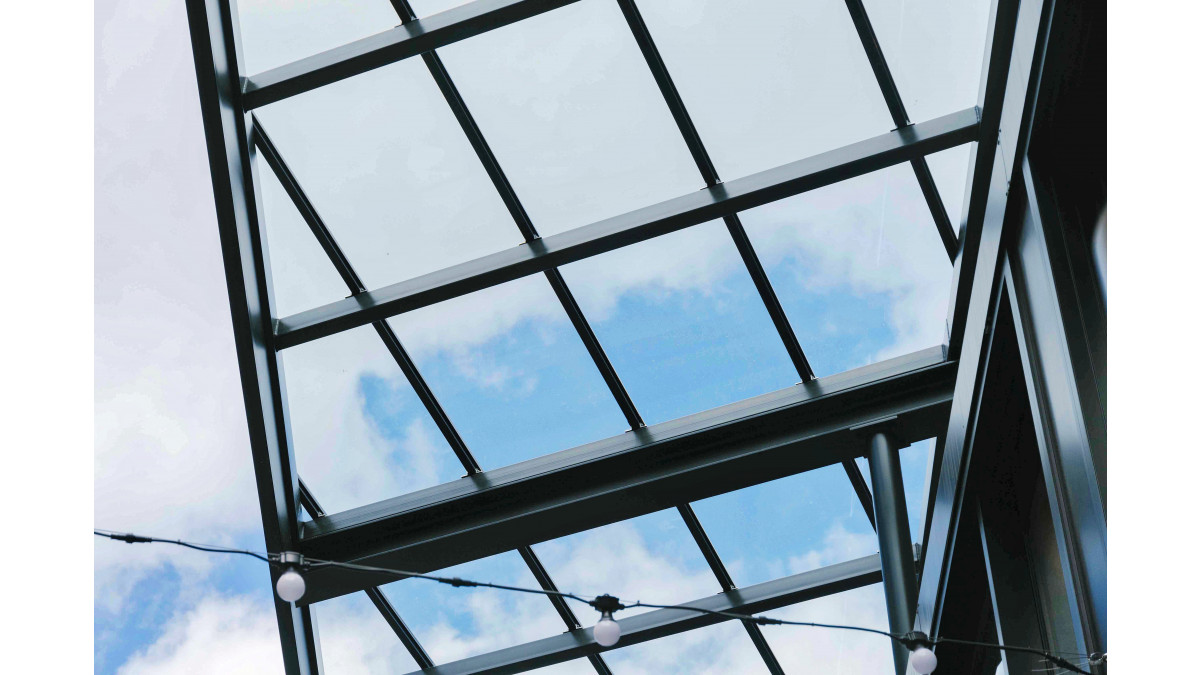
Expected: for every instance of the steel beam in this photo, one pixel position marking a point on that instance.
(702, 206)
(390, 46)
(895, 540)
(663, 622)
(215, 47)
(891, 96)
(728, 448)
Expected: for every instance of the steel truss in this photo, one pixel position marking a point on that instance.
(820, 422)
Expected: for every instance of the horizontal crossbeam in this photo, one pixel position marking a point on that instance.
(698, 207)
(663, 622)
(390, 46)
(772, 436)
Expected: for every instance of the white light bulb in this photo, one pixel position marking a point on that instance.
(607, 631)
(923, 660)
(290, 586)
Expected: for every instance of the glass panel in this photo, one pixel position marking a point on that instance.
(571, 111)
(386, 164)
(651, 558)
(682, 322)
(425, 8)
(455, 623)
(722, 648)
(950, 169)
(511, 372)
(934, 49)
(301, 275)
(802, 649)
(858, 267)
(360, 433)
(788, 526)
(276, 32)
(768, 83)
(354, 638)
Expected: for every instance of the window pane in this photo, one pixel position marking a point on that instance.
(354, 638)
(651, 558)
(301, 275)
(768, 83)
(914, 467)
(570, 109)
(788, 526)
(934, 49)
(682, 322)
(858, 267)
(511, 372)
(722, 648)
(277, 32)
(802, 649)
(382, 158)
(951, 169)
(359, 432)
(455, 623)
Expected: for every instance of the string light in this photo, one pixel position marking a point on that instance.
(290, 586)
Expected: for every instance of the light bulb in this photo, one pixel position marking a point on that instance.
(290, 586)
(607, 631)
(923, 660)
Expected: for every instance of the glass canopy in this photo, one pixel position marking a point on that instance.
(584, 131)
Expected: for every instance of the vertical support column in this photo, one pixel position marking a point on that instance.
(895, 541)
(217, 53)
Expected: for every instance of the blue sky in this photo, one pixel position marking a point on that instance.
(576, 122)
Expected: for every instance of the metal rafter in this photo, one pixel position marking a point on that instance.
(389, 613)
(519, 215)
(339, 260)
(708, 170)
(675, 214)
(659, 623)
(891, 95)
(783, 433)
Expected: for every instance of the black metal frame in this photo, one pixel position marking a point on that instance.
(869, 411)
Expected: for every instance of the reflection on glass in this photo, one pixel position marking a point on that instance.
(455, 623)
(803, 649)
(382, 158)
(652, 558)
(682, 322)
(278, 32)
(788, 526)
(359, 432)
(354, 638)
(570, 109)
(768, 83)
(301, 275)
(722, 648)
(858, 267)
(934, 49)
(511, 372)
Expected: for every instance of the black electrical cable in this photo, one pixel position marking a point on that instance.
(608, 603)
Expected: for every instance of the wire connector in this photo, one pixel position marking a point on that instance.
(606, 604)
(914, 639)
(291, 558)
(130, 538)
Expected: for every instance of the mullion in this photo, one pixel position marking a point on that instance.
(891, 95)
(741, 239)
(310, 504)
(517, 210)
(726, 581)
(338, 258)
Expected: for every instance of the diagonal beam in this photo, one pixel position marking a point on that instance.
(726, 581)
(659, 623)
(891, 95)
(754, 441)
(791, 179)
(336, 256)
(733, 223)
(390, 46)
(389, 613)
(508, 195)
